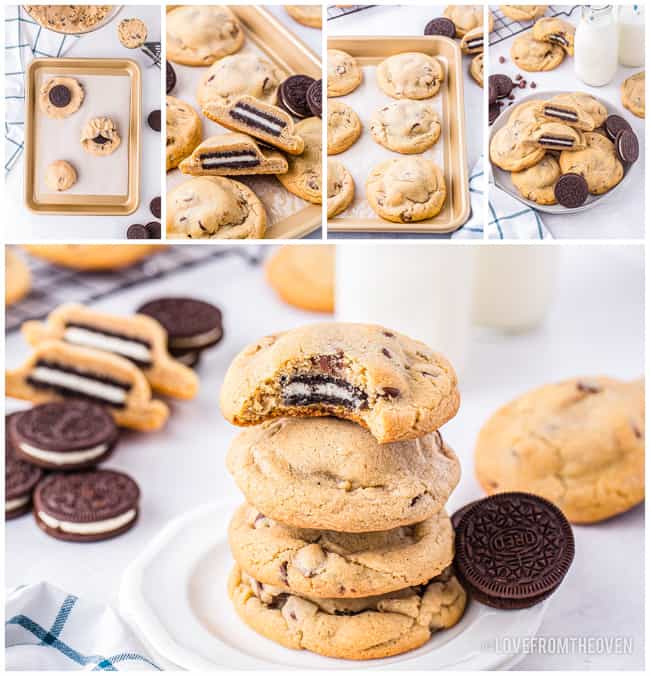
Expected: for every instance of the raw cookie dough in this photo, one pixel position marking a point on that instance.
(537, 183)
(18, 279)
(467, 17)
(534, 55)
(199, 35)
(304, 177)
(307, 15)
(410, 75)
(60, 176)
(60, 97)
(476, 69)
(214, 207)
(69, 18)
(523, 12)
(183, 131)
(598, 163)
(405, 126)
(343, 73)
(407, 189)
(100, 136)
(340, 188)
(132, 33)
(343, 127)
(578, 443)
(240, 75)
(633, 93)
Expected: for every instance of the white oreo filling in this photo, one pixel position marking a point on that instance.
(87, 386)
(10, 505)
(65, 457)
(197, 340)
(90, 528)
(258, 119)
(211, 162)
(562, 114)
(325, 390)
(100, 341)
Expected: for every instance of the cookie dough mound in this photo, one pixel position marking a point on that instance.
(537, 183)
(92, 256)
(183, 131)
(18, 279)
(240, 75)
(214, 207)
(60, 97)
(343, 73)
(331, 474)
(307, 15)
(578, 443)
(406, 127)
(199, 35)
(329, 564)
(132, 33)
(633, 94)
(467, 17)
(396, 387)
(69, 18)
(411, 75)
(534, 55)
(406, 190)
(100, 137)
(523, 12)
(60, 176)
(598, 163)
(343, 127)
(356, 629)
(304, 177)
(340, 188)
(303, 276)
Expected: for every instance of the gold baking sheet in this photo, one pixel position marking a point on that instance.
(121, 203)
(281, 46)
(450, 152)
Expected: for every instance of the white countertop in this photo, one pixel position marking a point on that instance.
(23, 225)
(620, 216)
(595, 326)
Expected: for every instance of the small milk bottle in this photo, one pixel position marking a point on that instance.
(631, 42)
(596, 45)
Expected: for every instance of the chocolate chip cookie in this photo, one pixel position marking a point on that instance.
(590, 106)
(307, 15)
(343, 73)
(343, 127)
(476, 69)
(534, 55)
(558, 136)
(523, 12)
(633, 93)
(557, 32)
(598, 163)
(183, 129)
(467, 17)
(410, 75)
(340, 188)
(304, 177)
(60, 97)
(407, 127)
(537, 183)
(510, 147)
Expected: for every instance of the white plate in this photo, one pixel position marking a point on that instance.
(174, 597)
(502, 178)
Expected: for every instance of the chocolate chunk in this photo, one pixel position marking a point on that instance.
(154, 120)
(292, 95)
(502, 59)
(137, 231)
(615, 124)
(154, 207)
(60, 96)
(513, 549)
(627, 146)
(441, 26)
(153, 230)
(502, 84)
(171, 78)
(571, 190)
(315, 98)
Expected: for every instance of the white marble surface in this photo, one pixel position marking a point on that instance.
(22, 225)
(595, 326)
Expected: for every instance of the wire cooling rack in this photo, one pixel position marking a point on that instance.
(337, 11)
(505, 28)
(53, 285)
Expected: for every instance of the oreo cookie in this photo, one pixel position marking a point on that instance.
(441, 26)
(154, 120)
(20, 477)
(494, 109)
(499, 86)
(190, 324)
(571, 190)
(513, 550)
(627, 146)
(315, 98)
(614, 125)
(72, 434)
(459, 513)
(154, 207)
(86, 506)
(153, 230)
(60, 96)
(171, 78)
(190, 358)
(137, 231)
(292, 95)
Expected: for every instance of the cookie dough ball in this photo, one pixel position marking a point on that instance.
(411, 75)
(240, 75)
(132, 33)
(304, 177)
(60, 97)
(100, 137)
(307, 15)
(407, 189)
(343, 127)
(199, 35)
(340, 188)
(537, 183)
(60, 176)
(183, 129)
(407, 127)
(343, 73)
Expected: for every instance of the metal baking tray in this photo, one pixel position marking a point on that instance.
(105, 198)
(281, 46)
(450, 150)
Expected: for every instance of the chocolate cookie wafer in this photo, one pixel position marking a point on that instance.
(20, 478)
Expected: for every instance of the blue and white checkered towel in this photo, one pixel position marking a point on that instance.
(47, 629)
(473, 229)
(24, 40)
(508, 218)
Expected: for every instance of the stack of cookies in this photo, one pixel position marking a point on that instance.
(343, 546)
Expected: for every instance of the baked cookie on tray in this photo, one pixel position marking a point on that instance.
(304, 177)
(395, 386)
(343, 127)
(556, 31)
(183, 129)
(340, 188)
(407, 127)
(343, 73)
(410, 75)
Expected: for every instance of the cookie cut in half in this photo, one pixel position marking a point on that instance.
(472, 42)
(232, 155)
(567, 113)
(558, 136)
(396, 387)
(557, 31)
(139, 339)
(264, 121)
(57, 370)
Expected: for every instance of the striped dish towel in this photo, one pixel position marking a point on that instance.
(47, 629)
(473, 228)
(24, 41)
(508, 218)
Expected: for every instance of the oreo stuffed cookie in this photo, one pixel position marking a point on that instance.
(20, 478)
(71, 434)
(86, 506)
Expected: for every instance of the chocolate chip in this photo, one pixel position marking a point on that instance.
(589, 388)
(390, 392)
(154, 207)
(502, 59)
(60, 96)
(522, 84)
(153, 230)
(518, 76)
(284, 574)
(533, 85)
(137, 231)
(415, 500)
(388, 334)
(154, 120)
(386, 352)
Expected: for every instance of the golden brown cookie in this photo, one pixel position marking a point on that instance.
(340, 188)
(17, 277)
(92, 256)
(598, 163)
(537, 183)
(534, 55)
(633, 93)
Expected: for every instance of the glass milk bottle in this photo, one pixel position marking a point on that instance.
(596, 45)
(631, 41)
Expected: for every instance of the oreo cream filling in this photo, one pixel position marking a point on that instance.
(10, 505)
(197, 340)
(90, 527)
(562, 114)
(65, 458)
(258, 119)
(236, 159)
(305, 390)
(135, 349)
(559, 38)
(551, 141)
(475, 43)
